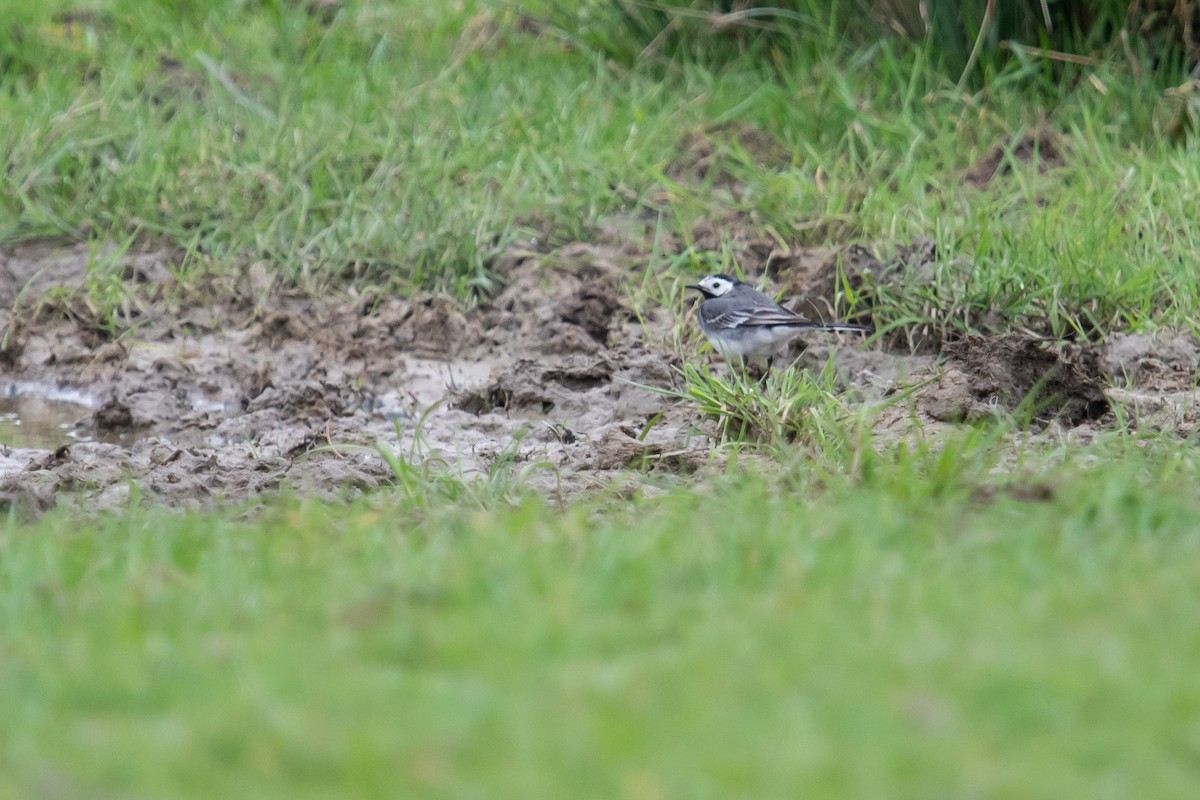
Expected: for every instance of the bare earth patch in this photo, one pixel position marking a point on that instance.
(262, 390)
(231, 398)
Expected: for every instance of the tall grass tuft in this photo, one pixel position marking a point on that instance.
(968, 38)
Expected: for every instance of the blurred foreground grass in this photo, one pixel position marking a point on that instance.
(911, 631)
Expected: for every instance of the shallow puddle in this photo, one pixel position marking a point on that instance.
(42, 416)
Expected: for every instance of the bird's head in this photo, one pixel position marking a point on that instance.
(714, 285)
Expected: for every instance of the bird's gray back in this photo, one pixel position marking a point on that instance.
(747, 294)
(743, 305)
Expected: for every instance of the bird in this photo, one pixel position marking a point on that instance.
(744, 324)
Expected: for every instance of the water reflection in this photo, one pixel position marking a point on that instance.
(41, 415)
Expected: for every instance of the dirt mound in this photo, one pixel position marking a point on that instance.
(1041, 145)
(567, 302)
(704, 154)
(987, 375)
(820, 280)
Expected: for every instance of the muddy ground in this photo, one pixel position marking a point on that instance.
(255, 389)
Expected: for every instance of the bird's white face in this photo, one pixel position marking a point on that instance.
(715, 285)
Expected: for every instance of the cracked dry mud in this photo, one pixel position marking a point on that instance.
(261, 389)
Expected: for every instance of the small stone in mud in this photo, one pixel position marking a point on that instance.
(113, 416)
(950, 399)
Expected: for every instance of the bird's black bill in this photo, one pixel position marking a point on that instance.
(695, 286)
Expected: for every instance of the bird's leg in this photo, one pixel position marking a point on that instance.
(767, 371)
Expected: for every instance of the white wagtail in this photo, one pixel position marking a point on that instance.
(743, 323)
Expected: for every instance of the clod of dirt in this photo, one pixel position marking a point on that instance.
(821, 289)
(952, 399)
(307, 400)
(25, 500)
(565, 303)
(592, 308)
(432, 327)
(989, 374)
(619, 449)
(113, 416)
(282, 325)
(1042, 145)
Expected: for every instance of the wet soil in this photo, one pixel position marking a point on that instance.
(259, 389)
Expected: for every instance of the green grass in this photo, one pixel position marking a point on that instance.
(877, 633)
(406, 146)
(780, 408)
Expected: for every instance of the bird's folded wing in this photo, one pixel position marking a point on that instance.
(756, 317)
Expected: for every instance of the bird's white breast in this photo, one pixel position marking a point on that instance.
(759, 342)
